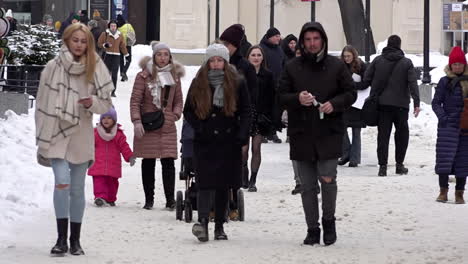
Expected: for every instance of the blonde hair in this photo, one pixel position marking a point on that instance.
(90, 57)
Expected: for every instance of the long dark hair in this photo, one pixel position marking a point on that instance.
(201, 94)
(356, 64)
(263, 64)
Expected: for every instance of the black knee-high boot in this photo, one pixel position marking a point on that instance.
(252, 182)
(168, 175)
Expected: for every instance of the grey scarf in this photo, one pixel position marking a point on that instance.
(216, 79)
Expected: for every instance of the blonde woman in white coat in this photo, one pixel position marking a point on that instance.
(73, 86)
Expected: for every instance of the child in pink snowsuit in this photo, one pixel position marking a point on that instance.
(110, 141)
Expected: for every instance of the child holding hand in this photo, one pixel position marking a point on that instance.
(110, 142)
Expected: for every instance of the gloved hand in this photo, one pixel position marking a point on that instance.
(132, 161)
(138, 129)
(127, 61)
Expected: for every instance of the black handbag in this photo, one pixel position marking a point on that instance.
(155, 120)
(370, 109)
(152, 120)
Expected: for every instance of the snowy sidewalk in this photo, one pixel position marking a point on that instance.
(380, 220)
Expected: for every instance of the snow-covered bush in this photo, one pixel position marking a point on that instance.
(33, 45)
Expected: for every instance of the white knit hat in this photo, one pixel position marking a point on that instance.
(9, 13)
(216, 50)
(157, 46)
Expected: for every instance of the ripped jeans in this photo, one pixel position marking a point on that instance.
(310, 173)
(69, 195)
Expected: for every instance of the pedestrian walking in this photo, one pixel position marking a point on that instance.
(393, 79)
(262, 113)
(128, 34)
(218, 110)
(155, 106)
(73, 86)
(275, 60)
(110, 143)
(315, 89)
(288, 44)
(353, 116)
(114, 45)
(450, 104)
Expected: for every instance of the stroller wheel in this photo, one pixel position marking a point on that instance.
(240, 205)
(179, 205)
(188, 208)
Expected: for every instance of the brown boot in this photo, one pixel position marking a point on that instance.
(459, 197)
(442, 195)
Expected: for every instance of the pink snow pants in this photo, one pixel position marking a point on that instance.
(106, 187)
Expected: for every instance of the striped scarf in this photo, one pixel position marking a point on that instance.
(57, 108)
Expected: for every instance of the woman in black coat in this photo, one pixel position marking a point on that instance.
(262, 116)
(218, 109)
(288, 44)
(352, 117)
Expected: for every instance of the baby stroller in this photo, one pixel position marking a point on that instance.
(186, 202)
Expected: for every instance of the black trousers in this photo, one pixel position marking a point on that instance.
(389, 116)
(123, 66)
(168, 176)
(444, 182)
(205, 200)
(112, 62)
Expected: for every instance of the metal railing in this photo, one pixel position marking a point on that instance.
(20, 78)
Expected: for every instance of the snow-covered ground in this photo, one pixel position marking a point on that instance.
(380, 220)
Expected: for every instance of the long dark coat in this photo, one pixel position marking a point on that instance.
(266, 99)
(451, 147)
(328, 79)
(218, 141)
(352, 117)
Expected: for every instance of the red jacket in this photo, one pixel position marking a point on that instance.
(107, 155)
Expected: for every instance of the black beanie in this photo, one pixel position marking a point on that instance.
(272, 32)
(233, 35)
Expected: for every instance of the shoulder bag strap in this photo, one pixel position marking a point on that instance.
(388, 79)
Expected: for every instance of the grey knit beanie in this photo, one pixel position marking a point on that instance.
(218, 50)
(157, 46)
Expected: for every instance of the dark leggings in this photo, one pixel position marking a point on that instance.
(168, 175)
(444, 182)
(113, 62)
(204, 203)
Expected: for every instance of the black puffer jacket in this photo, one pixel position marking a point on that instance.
(285, 46)
(274, 56)
(328, 79)
(397, 84)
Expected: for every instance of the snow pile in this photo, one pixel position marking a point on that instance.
(24, 185)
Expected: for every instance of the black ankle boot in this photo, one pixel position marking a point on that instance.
(200, 230)
(219, 232)
(329, 231)
(245, 176)
(75, 247)
(148, 204)
(401, 169)
(252, 182)
(383, 170)
(313, 236)
(61, 247)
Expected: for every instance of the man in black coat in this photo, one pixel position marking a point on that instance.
(275, 60)
(393, 78)
(315, 89)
